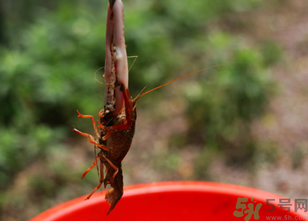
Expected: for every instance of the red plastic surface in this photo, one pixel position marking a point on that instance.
(172, 201)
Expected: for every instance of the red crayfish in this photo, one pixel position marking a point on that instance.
(114, 140)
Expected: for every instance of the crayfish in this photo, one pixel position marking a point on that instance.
(116, 126)
(114, 141)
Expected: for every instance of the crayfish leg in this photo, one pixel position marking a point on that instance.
(101, 180)
(83, 134)
(101, 146)
(107, 135)
(113, 166)
(106, 129)
(91, 167)
(91, 139)
(92, 119)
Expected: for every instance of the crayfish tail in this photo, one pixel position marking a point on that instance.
(112, 197)
(115, 193)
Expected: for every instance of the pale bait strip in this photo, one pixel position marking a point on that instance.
(120, 55)
(109, 75)
(116, 67)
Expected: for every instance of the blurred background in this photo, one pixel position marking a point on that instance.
(243, 123)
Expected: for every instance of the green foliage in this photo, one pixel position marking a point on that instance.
(222, 107)
(43, 80)
(168, 35)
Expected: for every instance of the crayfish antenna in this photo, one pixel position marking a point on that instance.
(184, 76)
(140, 94)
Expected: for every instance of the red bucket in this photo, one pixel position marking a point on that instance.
(181, 201)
